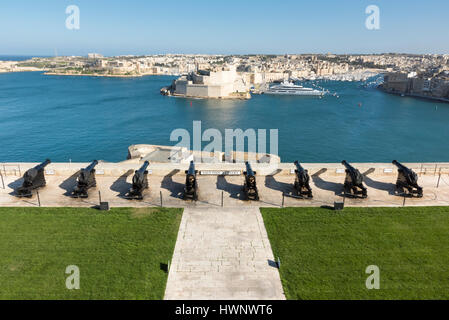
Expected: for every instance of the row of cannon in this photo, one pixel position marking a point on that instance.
(34, 178)
(406, 183)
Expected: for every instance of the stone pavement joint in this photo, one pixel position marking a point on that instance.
(223, 254)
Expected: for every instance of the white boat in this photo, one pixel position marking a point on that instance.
(288, 88)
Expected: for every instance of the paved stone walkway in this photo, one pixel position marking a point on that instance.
(223, 253)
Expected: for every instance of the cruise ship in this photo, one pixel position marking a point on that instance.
(288, 88)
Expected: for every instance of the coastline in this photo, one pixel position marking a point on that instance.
(96, 75)
(29, 69)
(247, 97)
(414, 95)
(177, 95)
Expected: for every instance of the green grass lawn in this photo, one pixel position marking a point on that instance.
(119, 253)
(324, 253)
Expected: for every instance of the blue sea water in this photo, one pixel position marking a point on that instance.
(15, 58)
(85, 118)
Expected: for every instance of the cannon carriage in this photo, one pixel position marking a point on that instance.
(302, 185)
(191, 186)
(85, 181)
(33, 179)
(140, 183)
(407, 181)
(250, 186)
(353, 185)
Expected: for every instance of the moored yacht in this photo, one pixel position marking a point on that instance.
(288, 88)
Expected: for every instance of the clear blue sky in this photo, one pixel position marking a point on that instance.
(197, 26)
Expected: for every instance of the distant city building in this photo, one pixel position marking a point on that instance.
(94, 55)
(222, 83)
(414, 84)
(233, 76)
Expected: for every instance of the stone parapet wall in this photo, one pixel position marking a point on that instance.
(162, 169)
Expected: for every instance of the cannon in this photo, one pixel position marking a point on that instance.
(33, 178)
(191, 187)
(407, 182)
(354, 182)
(140, 183)
(85, 181)
(250, 186)
(302, 185)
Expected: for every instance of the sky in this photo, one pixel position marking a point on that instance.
(114, 27)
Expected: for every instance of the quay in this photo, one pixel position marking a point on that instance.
(220, 184)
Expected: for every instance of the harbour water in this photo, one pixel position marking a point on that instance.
(14, 58)
(86, 118)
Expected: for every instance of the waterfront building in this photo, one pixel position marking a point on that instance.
(224, 83)
(416, 85)
(397, 82)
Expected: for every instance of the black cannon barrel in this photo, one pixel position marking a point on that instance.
(191, 170)
(411, 174)
(399, 165)
(347, 165)
(250, 187)
(191, 186)
(249, 170)
(407, 181)
(91, 166)
(143, 168)
(298, 166)
(43, 165)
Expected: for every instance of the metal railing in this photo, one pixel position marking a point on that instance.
(10, 169)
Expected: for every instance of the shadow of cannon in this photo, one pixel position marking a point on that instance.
(121, 185)
(69, 184)
(176, 189)
(337, 188)
(234, 190)
(272, 183)
(384, 186)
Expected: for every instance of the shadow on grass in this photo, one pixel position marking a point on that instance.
(164, 267)
(327, 207)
